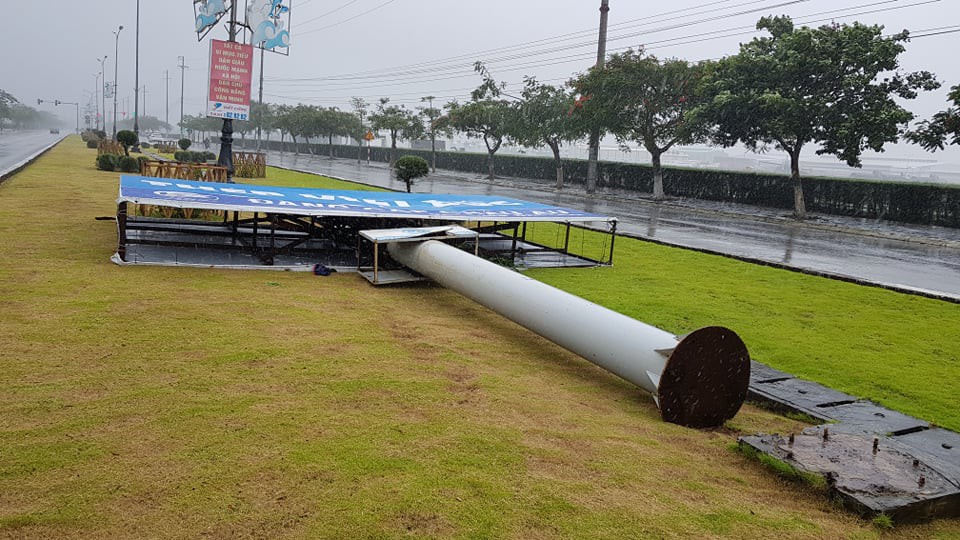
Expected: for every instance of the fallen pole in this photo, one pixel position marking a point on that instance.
(697, 380)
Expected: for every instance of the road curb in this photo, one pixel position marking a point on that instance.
(4, 175)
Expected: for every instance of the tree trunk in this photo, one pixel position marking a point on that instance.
(593, 158)
(799, 208)
(558, 162)
(393, 150)
(330, 145)
(283, 142)
(296, 145)
(433, 150)
(490, 164)
(658, 193)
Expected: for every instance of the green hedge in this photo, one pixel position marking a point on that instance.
(904, 202)
(189, 156)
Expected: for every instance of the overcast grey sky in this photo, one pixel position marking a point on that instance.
(406, 49)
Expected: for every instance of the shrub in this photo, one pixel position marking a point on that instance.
(107, 162)
(101, 134)
(184, 143)
(409, 168)
(127, 138)
(141, 160)
(129, 164)
(187, 156)
(88, 136)
(144, 145)
(93, 143)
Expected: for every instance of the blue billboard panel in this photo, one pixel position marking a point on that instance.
(331, 202)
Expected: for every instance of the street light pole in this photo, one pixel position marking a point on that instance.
(225, 159)
(260, 112)
(136, 85)
(96, 101)
(103, 95)
(182, 67)
(166, 78)
(116, 61)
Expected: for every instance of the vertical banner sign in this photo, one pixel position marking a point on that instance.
(231, 70)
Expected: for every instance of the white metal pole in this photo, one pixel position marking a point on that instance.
(698, 380)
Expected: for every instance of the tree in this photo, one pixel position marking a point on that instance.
(127, 139)
(332, 122)
(486, 116)
(6, 102)
(262, 117)
(431, 114)
(400, 122)
(932, 134)
(833, 85)
(294, 121)
(545, 117)
(640, 98)
(409, 168)
(280, 122)
(360, 107)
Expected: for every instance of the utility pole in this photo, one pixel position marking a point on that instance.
(116, 62)
(260, 113)
(144, 90)
(136, 85)
(182, 67)
(166, 78)
(225, 158)
(103, 94)
(594, 152)
(96, 101)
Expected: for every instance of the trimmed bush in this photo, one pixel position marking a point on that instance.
(128, 164)
(140, 161)
(93, 143)
(409, 168)
(184, 143)
(107, 162)
(188, 156)
(127, 138)
(144, 145)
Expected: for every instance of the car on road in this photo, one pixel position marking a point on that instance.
(55, 131)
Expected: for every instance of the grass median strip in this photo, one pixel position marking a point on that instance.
(183, 402)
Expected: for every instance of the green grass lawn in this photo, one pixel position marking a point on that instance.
(186, 402)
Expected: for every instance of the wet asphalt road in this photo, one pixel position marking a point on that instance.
(906, 256)
(16, 146)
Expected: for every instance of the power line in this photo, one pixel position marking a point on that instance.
(692, 38)
(371, 10)
(331, 12)
(447, 73)
(557, 39)
(575, 35)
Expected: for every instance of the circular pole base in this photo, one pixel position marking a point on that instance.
(705, 380)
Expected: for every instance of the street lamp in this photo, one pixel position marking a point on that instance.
(180, 64)
(116, 57)
(103, 95)
(136, 86)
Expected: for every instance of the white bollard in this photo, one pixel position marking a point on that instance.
(697, 380)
